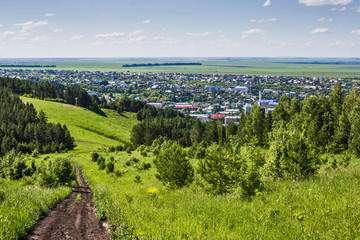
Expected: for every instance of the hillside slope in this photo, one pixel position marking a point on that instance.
(91, 130)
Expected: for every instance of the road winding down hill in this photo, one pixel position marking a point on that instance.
(73, 218)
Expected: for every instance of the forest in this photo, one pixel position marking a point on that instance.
(25, 130)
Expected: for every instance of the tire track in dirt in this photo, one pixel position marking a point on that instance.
(73, 218)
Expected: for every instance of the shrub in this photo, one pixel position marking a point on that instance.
(102, 165)
(59, 172)
(94, 157)
(131, 161)
(173, 168)
(144, 153)
(110, 167)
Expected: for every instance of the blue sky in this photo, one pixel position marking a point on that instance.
(186, 28)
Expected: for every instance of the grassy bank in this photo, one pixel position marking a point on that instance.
(324, 207)
(21, 206)
(91, 130)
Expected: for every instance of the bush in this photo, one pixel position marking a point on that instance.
(59, 172)
(102, 165)
(173, 168)
(144, 153)
(94, 157)
(110, 167)
(131, 161)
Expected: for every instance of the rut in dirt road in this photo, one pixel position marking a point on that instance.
(73, 218)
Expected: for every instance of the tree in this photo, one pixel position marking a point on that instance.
(292, 154)
(218, 168)
(173, 168)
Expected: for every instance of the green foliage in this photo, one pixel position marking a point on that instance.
(110, 167)
(94, 157)
(58, 172)
(173, 168)
(219, 168)
(292, 154)
(22, 206)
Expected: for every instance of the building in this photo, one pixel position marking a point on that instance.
(213, 88)
(156, 105)
(247, 108)
(229, 119)
(241, 89)
(202, 117)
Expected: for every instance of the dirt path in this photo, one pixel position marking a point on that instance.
(73, 218)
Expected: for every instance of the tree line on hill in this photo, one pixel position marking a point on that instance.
(25, 130)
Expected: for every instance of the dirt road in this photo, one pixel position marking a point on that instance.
(73, 218)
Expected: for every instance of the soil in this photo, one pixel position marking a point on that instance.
(73, 218)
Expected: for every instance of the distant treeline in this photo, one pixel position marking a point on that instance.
(326, 63)
(25, 66)
(159, 64)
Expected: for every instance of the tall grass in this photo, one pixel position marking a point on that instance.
(324, 207)
(21, 206)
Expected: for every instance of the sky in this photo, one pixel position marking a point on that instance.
(179, 28)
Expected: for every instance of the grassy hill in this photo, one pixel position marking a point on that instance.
(91, 130)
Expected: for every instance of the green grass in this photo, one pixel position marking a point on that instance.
(324, 207)
(246, 68)
(90, 130)
(21, 206)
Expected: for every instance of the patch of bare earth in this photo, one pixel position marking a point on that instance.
(73, 218)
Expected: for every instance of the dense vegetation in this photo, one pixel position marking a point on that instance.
(24, 130)
(294, 206)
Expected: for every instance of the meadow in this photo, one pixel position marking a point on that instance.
(135, 203)
(228, 67)
(91, 130)
(22, 205)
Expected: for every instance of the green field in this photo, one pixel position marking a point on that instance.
(92, 131)
(245, 68)
(323, 207)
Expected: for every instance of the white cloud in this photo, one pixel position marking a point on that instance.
(110, 35)
(6, 34)
(342, 9)
(320, 30)
(77, 37)
(49, 14)
(251, 32)
(146, 21)
(40, 38)
(58, 30)
(356, 32)
(194, 34)
(358, 9)
(264, 20)
(135, 33)
(267, 3)
(138, 39)
(340, 43)
(324, 19)
(30, 26)
(1, 25)
(324, 2)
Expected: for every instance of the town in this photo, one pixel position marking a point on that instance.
(204, 96)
